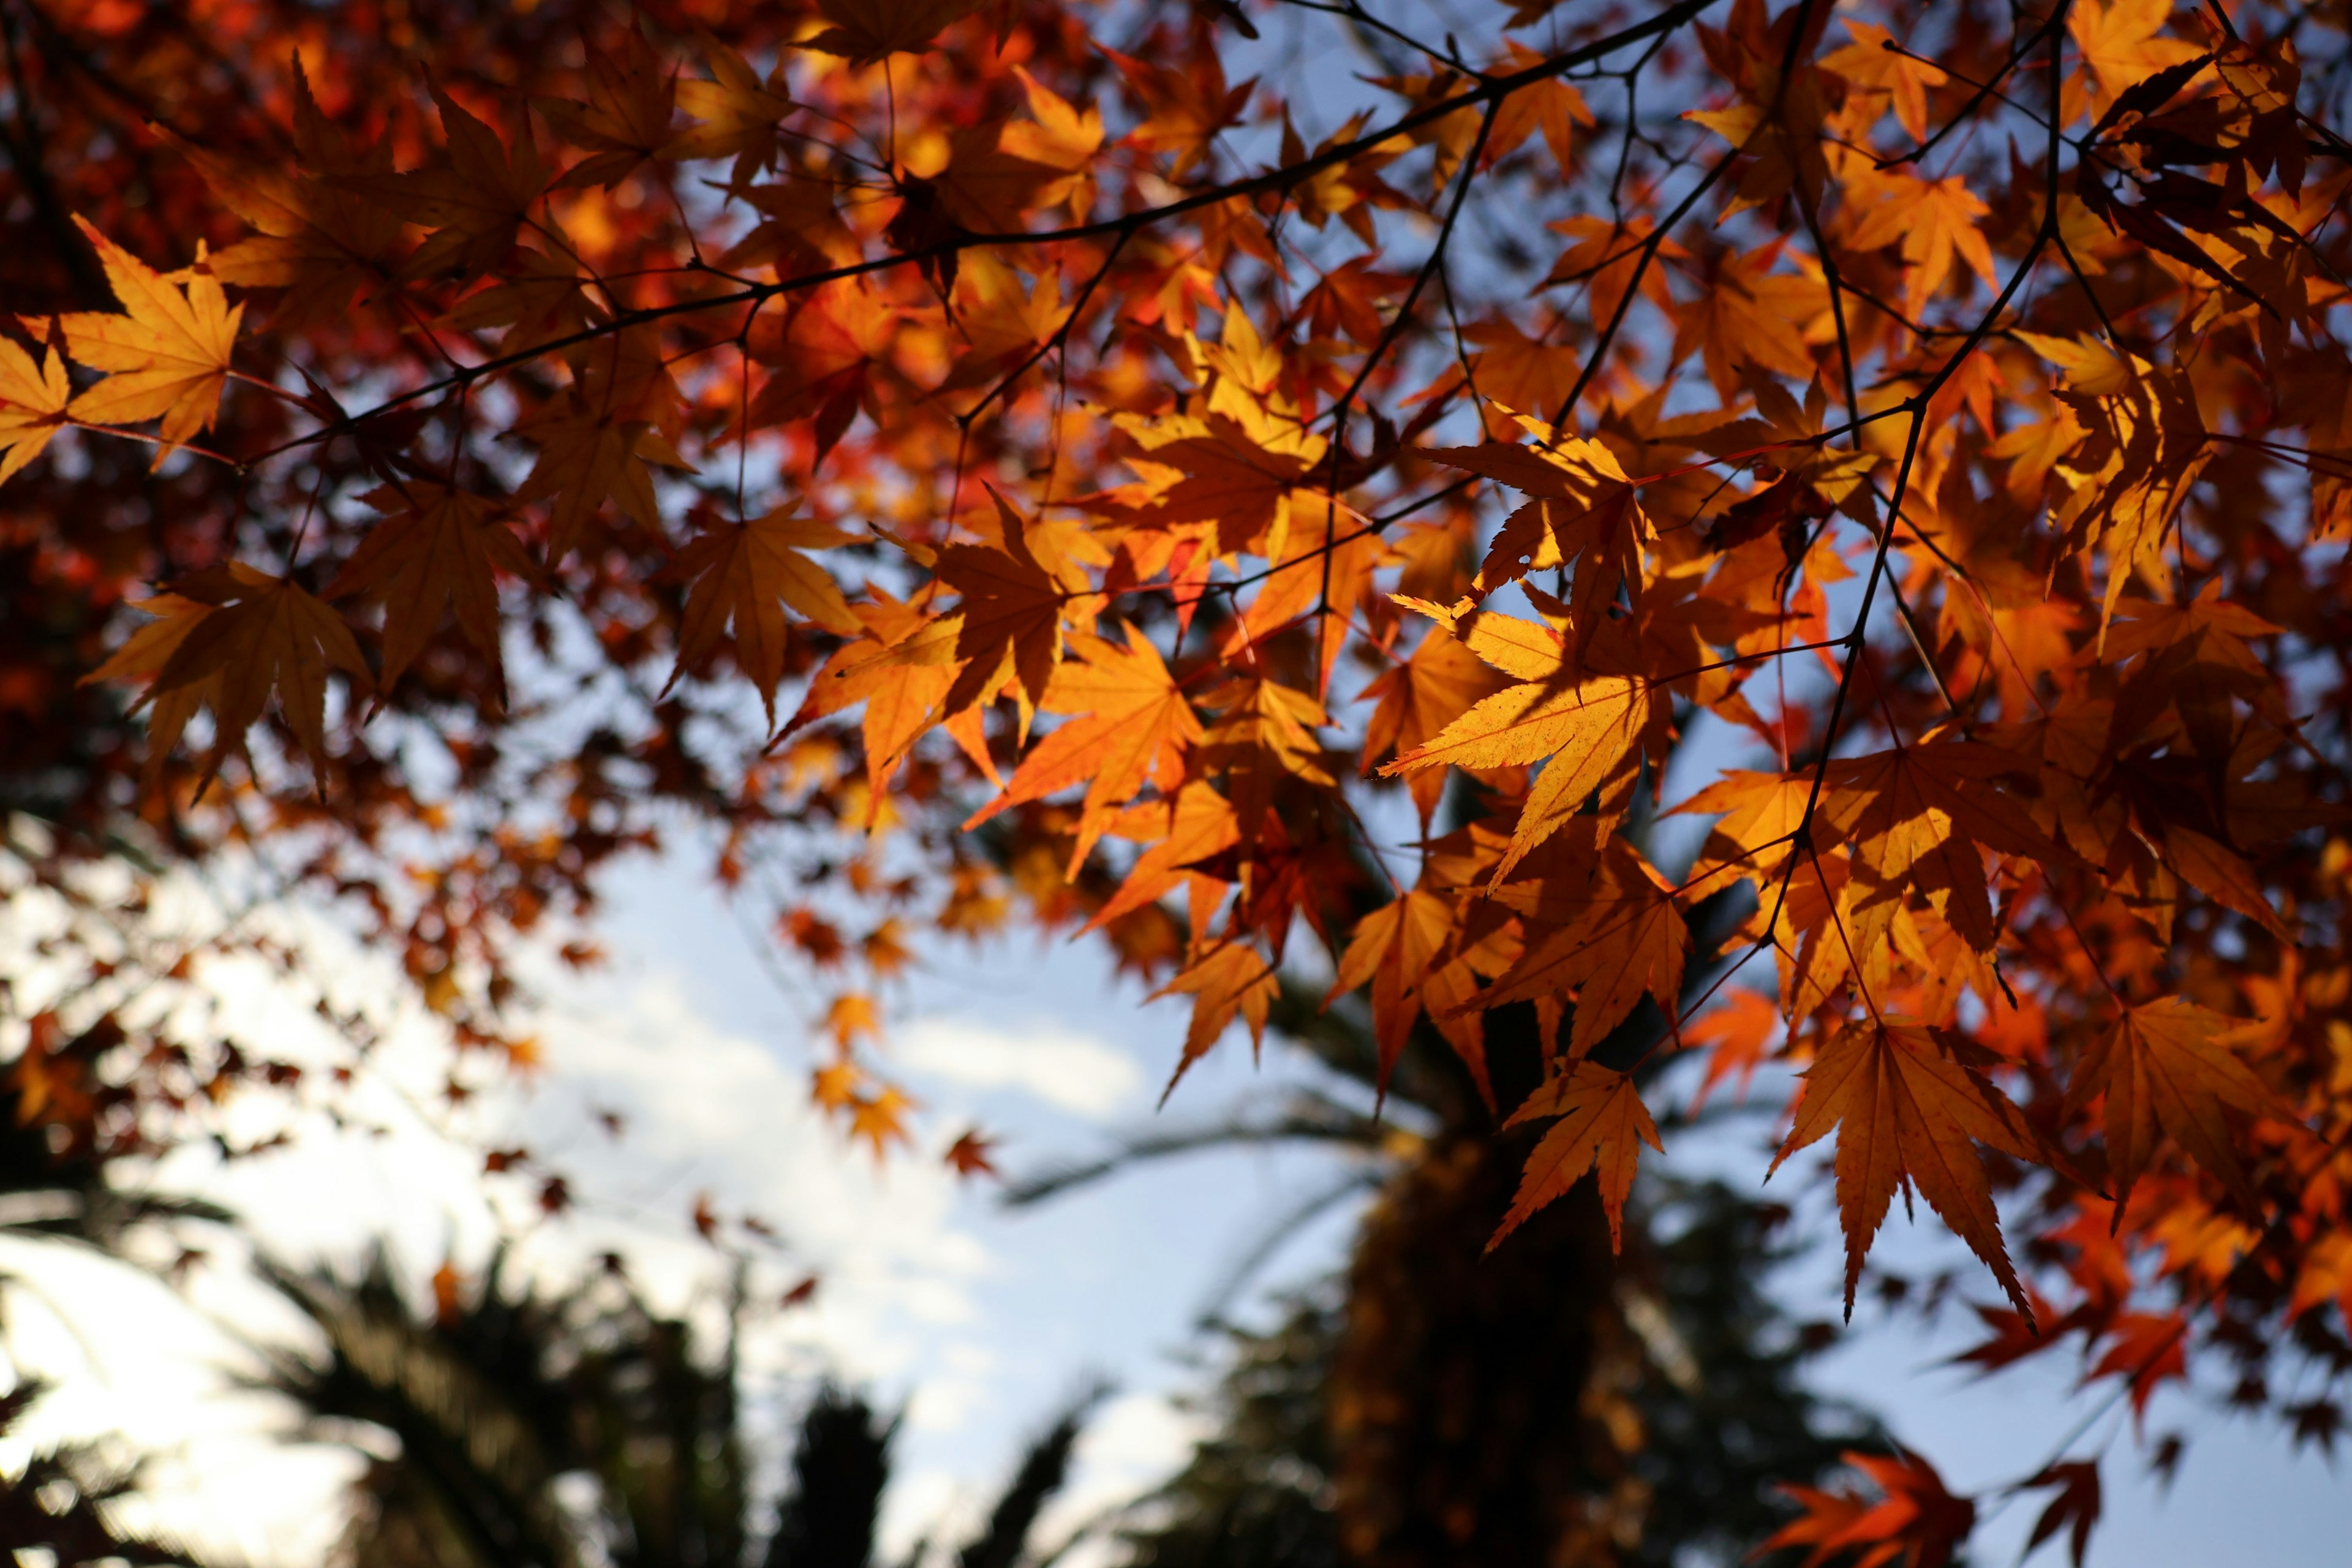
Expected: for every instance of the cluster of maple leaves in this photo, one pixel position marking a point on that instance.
(950, 454)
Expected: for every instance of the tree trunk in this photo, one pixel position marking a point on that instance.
(1479, 1407)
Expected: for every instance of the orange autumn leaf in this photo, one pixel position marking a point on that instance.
(1606, 933)
(2166, 1065)
(166, 355)
(880, 1119)
(1231, 981)
(1392, 950)
(1011, 610)
(1586, 728)
(1601, 1128)
(1906, 1112)
(1917, 1521)
(1128, 722)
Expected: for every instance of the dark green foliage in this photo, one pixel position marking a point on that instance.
(505, 1393)
(1042, 1473)
(64, 1503)
(841, 1464)
(1257, 1492)
(1719, 1438)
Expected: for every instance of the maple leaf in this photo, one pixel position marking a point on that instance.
(624, 122)
(1606, 256)
(864, 31)
(2120, 43)
(1606, 932)
(1905, 1111)
(1872, 62)
(1012, 611)
(880, 1119)
(2165, 1064)
(1128, 722)
(235, 635)
(1747, 314)
(1916, 820)
(475, 201)
(601, 439)
(1551, 106)
(1739, 1031)
(1057, 135)
(743, 575)
(851, 1016)
(1232, 980)
(800, 229)
(1602, 1125)
(980, 184)
(2075, 1509)
(1586, 512)
(33, 401)
(1392, 950)
(1199, 822)
(824, 359)
(167, 354)
(1262, 741)
(1935, 224)
(735, 112)
(1778, 132)
(316, 240)
(1186, 109)
(1587, 728)
(1917, 1519)
(436, 548)
(1416, 699)
(835, 1086)
(969, 1155)
(541, 297)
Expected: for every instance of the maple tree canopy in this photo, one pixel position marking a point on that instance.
(1104, 470)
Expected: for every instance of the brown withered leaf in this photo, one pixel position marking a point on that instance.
(436, 548)
(743, 575)
(248, 634)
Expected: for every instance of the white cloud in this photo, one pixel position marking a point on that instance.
(1070, 1072)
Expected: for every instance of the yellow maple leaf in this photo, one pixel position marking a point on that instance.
(1130, 723)
(167, 354)
(2119, 42)
(1871, 62)
(33, 399)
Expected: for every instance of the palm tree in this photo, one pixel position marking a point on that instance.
(1555, 1403)
(65, 1503)
(1692, 1407)
(548, 1432)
